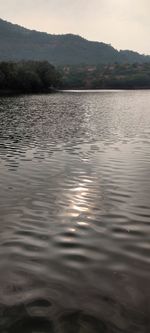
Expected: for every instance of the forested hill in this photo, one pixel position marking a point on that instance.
(18, 43)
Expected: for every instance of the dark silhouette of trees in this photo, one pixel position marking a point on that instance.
(40, 76)
(30, 76)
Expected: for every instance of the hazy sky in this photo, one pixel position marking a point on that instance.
(123, 23)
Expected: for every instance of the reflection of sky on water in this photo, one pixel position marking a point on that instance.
(75, 201)
(70, 121)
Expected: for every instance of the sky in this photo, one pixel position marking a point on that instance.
(125, 24)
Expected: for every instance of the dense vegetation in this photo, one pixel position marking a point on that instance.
(31, 76)
(17, 43)
(37, 76)
(116, 76)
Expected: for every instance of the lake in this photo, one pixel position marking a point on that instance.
(75, 212)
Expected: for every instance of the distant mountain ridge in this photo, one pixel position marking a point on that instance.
(18, 43)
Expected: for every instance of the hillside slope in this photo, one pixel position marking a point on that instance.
(18, 43)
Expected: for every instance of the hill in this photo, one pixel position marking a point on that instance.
(114, 76)
(18, 43)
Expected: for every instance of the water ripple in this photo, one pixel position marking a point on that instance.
(75, 213)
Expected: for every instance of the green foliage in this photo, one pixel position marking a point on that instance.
(30, 76)
(116, 76)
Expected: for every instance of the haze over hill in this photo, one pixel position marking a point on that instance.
(18, 43)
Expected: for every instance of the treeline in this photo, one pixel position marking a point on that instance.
(116, 76)
(30, 76)
(40, 76)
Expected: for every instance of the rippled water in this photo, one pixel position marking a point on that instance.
(75, 213)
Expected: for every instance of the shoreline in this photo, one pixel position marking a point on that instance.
(9, 92)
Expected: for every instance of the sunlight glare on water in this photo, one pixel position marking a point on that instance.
(75, 212)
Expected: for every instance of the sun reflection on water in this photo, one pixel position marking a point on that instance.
(78, 203)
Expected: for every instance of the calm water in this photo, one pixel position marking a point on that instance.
(75, 213)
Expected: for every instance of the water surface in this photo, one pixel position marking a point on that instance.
(75, 213)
